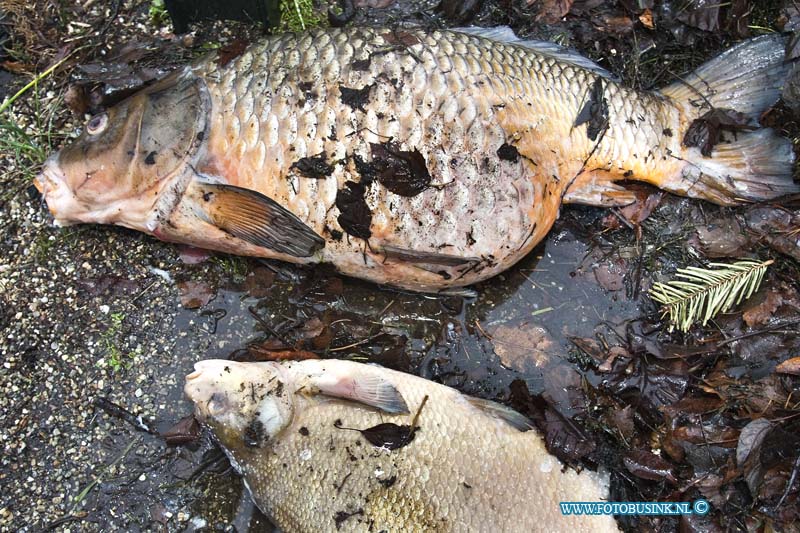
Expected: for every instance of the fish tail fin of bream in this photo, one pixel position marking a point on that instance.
(750, 166)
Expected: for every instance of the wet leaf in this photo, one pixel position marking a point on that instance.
(231, 51)
(404, 173)
(611, 273)
(646, 18)
(790, 366)
(195, 294)
(723, 237)
(565, 439)
(186, 430)
(701, 14)
(524, 347)
(390, 436)
(647, 465)
(646, 202)
(258, 282)
(705, 132)
(260, 354)
(355, 216)
(622, 420)
(761, 308)
(750, 439)
(191, 255)
(551, 11)
(778, 227)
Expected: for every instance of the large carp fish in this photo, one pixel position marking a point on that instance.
(423, 160)
(336, 445)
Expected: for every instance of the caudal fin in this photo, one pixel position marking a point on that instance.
(742, 167)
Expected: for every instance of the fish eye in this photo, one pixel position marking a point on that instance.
(216, 405)
(97, 124)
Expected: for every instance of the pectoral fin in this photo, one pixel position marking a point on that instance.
(253, 217)
(361, 386)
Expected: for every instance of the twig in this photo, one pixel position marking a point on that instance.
(790, 483)
(123, 414)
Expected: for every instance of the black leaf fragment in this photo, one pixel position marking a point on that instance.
(315, 167)
(354, 214)
(389, 436)
(355, 98)
(594, 111)
(403, 173)
(508, 152)
(704, 132)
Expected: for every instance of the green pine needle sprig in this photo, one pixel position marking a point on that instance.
(702, 293)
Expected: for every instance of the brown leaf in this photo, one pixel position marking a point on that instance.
(261, 354)
(610, 274)
(638, 211)
(523, 348)
(231, 51)
(195, 294)
(647, 465)
(790, 366)
(551, 11)
(622, 420)
(778, 227)
(186, 430)
(258, 282)
(724, 237)
(646, 18)
(761, 308)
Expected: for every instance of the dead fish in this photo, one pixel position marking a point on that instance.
(327, 445)
(420, 160)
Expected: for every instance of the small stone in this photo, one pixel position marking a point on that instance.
(105, 309)
(138, 393)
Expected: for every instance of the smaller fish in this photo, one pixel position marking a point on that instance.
(333, 445)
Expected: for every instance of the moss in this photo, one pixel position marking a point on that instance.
(301, 15)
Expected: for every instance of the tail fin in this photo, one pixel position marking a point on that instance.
(746, 167)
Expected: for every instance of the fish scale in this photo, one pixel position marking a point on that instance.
(421, 160)
(417, 112)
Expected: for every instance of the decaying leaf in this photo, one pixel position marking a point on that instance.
(186, 430)
(761, 308)
(790, 366)
(524, 347)
(647, 465)
(195, 294)
(705, 132)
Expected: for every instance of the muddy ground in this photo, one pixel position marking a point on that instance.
(100, 324)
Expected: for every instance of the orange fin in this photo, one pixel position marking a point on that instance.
(597, 187)
(255, 218)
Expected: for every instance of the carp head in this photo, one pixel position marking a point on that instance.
(131, 163)
(245, 405)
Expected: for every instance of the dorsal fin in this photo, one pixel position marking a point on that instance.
(504, 34)
(506, 414)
